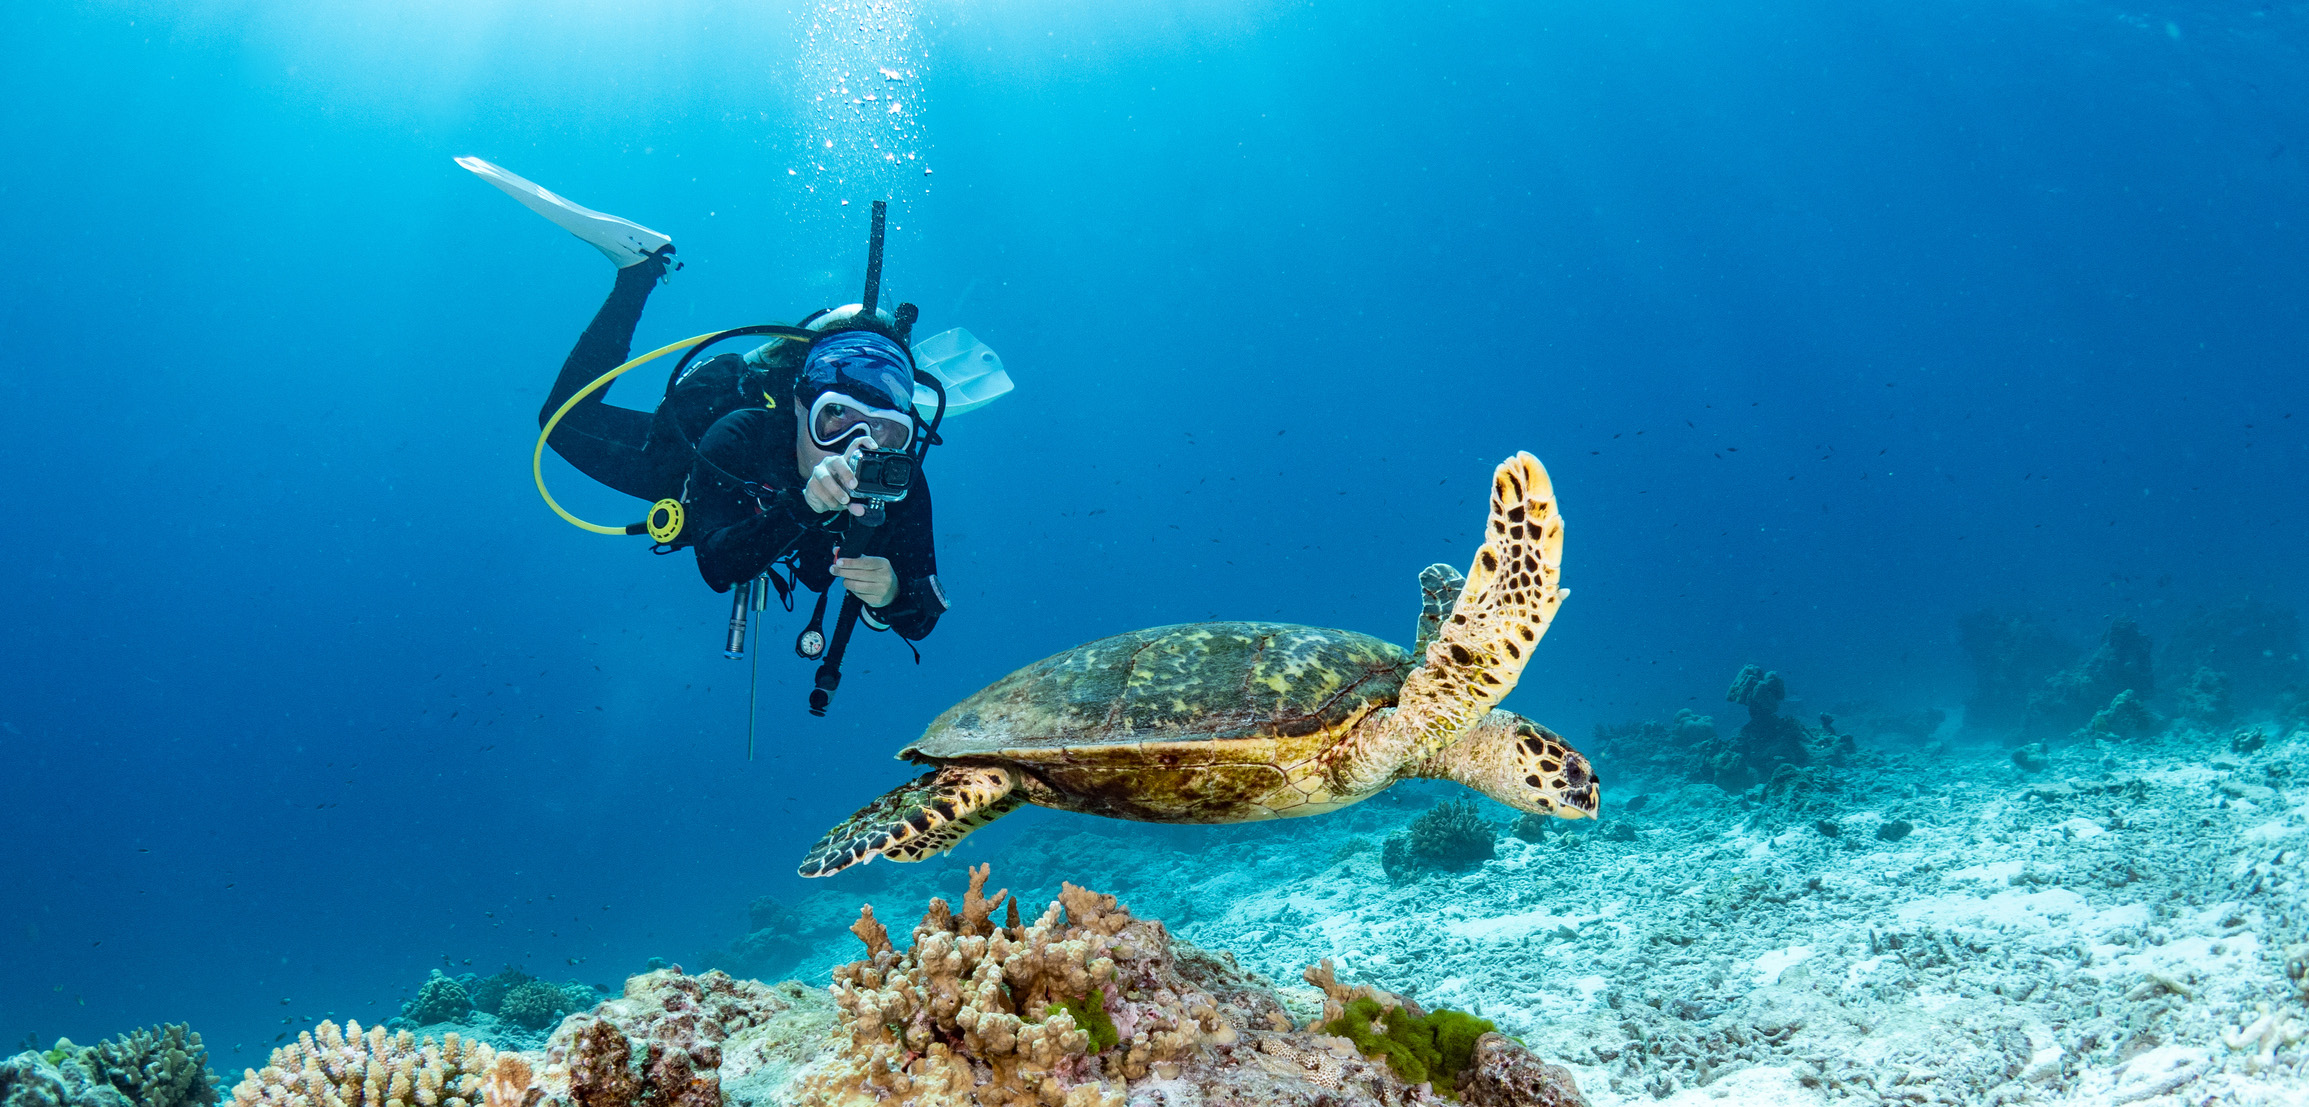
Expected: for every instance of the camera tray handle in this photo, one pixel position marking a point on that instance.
(829, 676)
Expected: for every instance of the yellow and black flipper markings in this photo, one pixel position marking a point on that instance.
(1503, 609)
(921, 818)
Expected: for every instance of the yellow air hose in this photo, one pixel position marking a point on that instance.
(537, 456)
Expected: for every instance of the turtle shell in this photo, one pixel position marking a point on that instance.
(1175, 718)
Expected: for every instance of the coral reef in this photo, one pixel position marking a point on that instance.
(1763, 744)
(1089, 1006)
(2012, 656)
(1502, 1073)
(658, 1045)
(2125, 717)
(54, 1080)
(328, 1068)
(1449, 837)
(1433, 1049)
(1688, 747)
(2071, 697)
(973, 1009)
(163, 1066)
(510, 1010)
(488, 992)
(534, 1004)
(1452, 1051)
(441, 999)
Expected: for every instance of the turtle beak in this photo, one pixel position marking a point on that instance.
(1584, 796)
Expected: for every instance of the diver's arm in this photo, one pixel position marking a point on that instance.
(914, 612)
(735, 542)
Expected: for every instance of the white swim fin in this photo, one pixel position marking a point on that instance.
(971, 372)
(625, 241)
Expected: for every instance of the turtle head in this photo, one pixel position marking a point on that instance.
(1521, 764)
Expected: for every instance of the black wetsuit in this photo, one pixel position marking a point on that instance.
(743, 499)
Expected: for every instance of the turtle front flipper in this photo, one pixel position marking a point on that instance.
(1504, 607)
(1439, 586)
(921, 818)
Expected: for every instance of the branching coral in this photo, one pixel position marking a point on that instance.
(1061, 1012)
(2271, 1031)
(325, 1068)
(165, 1066)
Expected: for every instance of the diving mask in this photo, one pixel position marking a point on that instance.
(836, 420)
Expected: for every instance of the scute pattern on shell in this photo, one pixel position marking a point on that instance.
(1216, 681)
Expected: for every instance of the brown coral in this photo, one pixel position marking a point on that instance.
(1337, 996)
(659, 1045)
(1063, 1012)
(1505, 1074)
(326, 1068)
(512, 1082)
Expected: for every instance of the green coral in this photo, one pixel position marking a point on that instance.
(1435, 1049)
(1090, 1016)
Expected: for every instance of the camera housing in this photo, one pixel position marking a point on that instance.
(884, 476)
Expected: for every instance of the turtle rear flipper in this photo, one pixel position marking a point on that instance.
(921, 818)
(1510, 594)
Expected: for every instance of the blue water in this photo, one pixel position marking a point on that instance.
(1832, 321)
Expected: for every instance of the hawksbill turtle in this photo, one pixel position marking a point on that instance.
(1221, 722)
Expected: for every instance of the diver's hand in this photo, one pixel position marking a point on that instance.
(828, 488)
(869, 578)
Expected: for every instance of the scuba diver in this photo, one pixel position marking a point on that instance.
(803, 455)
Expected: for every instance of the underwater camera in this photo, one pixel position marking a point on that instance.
(884, 477)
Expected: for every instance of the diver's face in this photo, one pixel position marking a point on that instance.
(807, 454)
